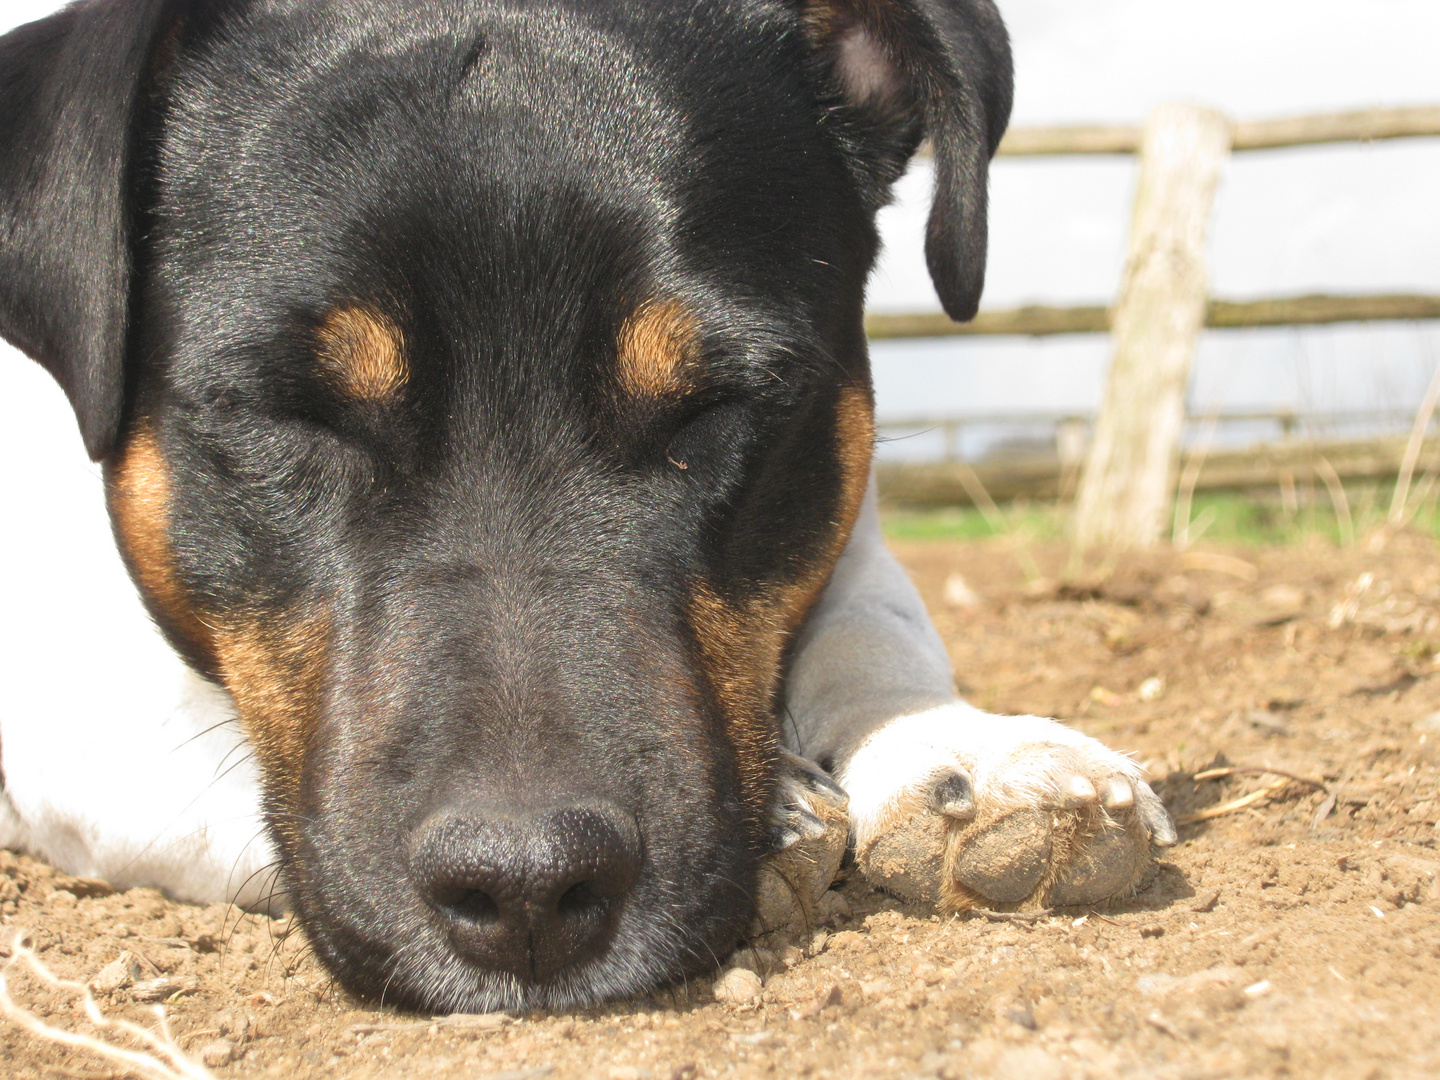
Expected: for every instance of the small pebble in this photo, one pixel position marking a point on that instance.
(738, 986)
(121, 972)
(1205, 900)
(958, 593)
(233, 1025)
(1021, 1014)
(220, 1052)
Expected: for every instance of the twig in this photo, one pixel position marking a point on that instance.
(462, 1021)
(1188, 479)
(1255, 770)
(1337, 498)
(975, 488)
(1155, 1020)
(1412, 450)
(1234, 804)
(165, 1061)
(1011, 916)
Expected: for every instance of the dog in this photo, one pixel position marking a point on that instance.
(481, 395)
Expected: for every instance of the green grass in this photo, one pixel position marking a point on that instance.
(1220, 517)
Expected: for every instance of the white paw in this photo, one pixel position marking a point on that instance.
(963, 808)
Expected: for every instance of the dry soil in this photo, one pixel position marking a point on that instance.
(1294, 932)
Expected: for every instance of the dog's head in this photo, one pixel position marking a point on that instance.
(483, 395)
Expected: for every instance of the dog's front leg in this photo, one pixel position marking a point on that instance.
(950, 804)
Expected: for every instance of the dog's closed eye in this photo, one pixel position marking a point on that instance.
(711, 437)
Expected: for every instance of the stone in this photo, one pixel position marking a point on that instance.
(738, 986)
(218, 1053)
(121, 972)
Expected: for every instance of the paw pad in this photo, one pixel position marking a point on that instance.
(1032, 857)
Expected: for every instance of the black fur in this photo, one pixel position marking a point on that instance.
(505, 559)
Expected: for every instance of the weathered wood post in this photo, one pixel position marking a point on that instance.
(1129, 480)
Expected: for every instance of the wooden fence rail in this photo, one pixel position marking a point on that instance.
(1274, 466)
(1363, 125)
(1041, 320)
(1068, 432)
(1129, 477)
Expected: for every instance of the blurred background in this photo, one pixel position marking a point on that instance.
(1347, 218)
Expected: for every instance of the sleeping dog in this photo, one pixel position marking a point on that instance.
(482, 402)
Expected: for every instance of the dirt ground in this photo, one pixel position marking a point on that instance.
(1295, 935)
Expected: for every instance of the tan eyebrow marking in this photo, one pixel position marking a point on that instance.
(362, 353)
(656, 344)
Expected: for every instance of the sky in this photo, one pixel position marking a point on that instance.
(1345, 218)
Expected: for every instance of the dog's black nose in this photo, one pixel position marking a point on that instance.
(528, 894)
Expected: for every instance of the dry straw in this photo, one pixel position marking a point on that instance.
(160, 1056)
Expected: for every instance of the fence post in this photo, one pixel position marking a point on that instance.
(1129, 479)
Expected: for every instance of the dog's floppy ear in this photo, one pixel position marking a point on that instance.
(904, 69)
(69, 85)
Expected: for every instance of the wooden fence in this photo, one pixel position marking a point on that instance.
(1127, 484)
(1046, 461)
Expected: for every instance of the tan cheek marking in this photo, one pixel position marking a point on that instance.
(744, 645)
(655, 346)
(274, 667)
(138, 492)
(272, 664)
(855, 436)
(362, 353)
(742, 649)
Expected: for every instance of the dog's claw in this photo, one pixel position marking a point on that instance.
(800, 821)
(954, 796)
(1078, 791)
(813, 777)
(1154, 816)
(1117, 794)
(809, 827)
(782, 839)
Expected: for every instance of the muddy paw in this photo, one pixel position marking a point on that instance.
(809, 830)
(963, 809)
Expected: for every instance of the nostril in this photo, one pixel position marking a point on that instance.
(579, 899)
(472, 905)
